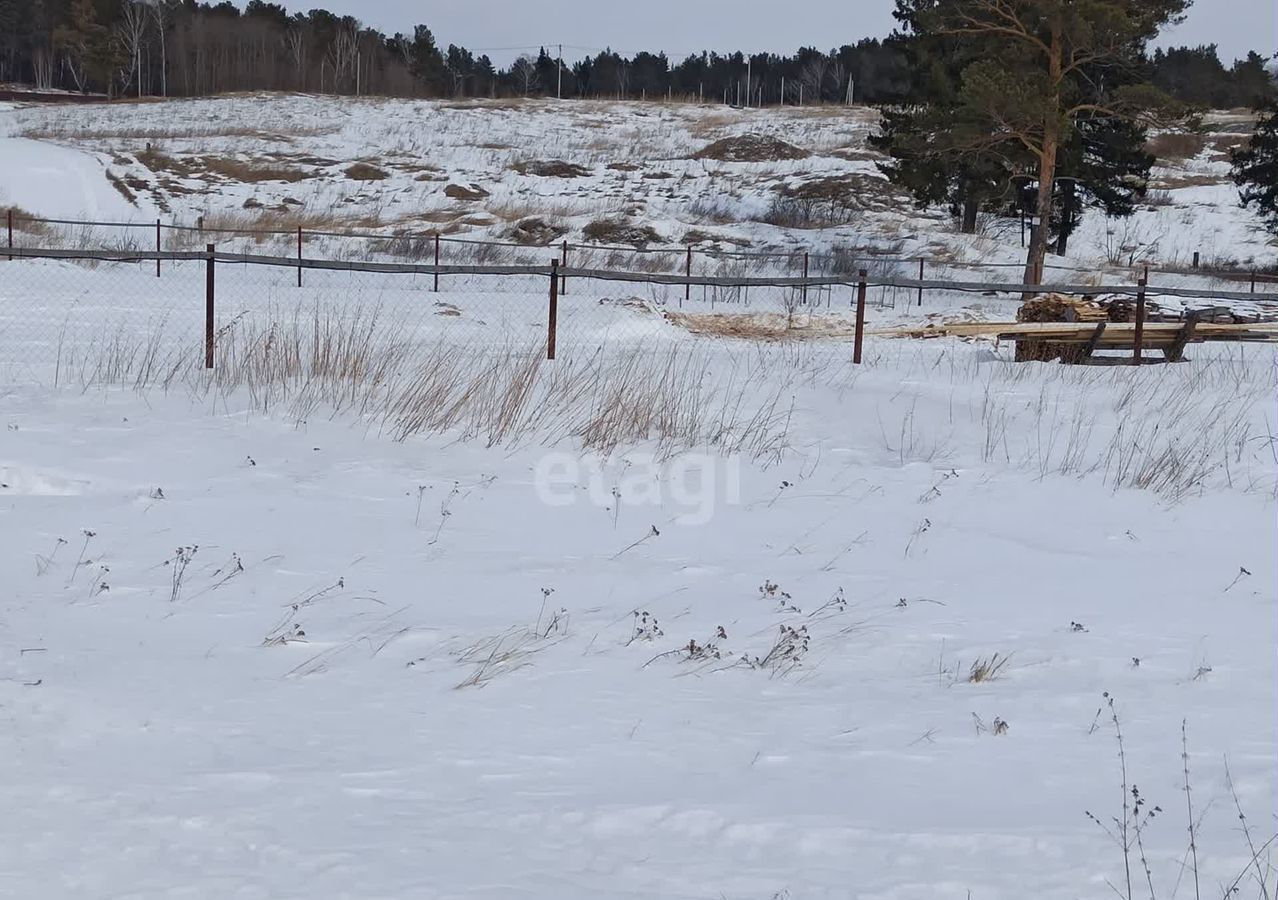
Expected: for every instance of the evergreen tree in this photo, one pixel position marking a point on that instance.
(1042, 67)
(1255, 167)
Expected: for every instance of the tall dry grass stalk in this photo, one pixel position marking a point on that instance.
(302, 363)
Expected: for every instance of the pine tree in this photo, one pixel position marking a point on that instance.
(1255, 167)
(1039, 70)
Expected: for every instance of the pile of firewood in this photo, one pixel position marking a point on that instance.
(1059, 308)
(1055, 308)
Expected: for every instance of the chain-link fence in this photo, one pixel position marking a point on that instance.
(637, 252)
(109, 315)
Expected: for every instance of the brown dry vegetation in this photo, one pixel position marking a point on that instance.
(535, 231)
(362, 171)
(619, 231)
(751, 148)
(550, 168)
(226, 167)
(762, 326)
(462, 192)
(1175, 145)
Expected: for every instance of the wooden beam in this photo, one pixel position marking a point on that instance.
(1176, 352)
(1095, 341)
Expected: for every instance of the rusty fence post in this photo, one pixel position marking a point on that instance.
(687, 273)
(552, 319)
(157, 248)
(805, 277)
(436, 262)
(208, 308)
(860, 316)
(10, 218)
(299, 255)
(563, 279)
(1138, 344)
(1195, 263)
(921, 260)
(1253, 281)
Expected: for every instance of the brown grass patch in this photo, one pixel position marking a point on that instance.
(1175, 145)
(462, 192)
(229, 168)
(751, 148)
(763, 326)
(698, 236)
(535, 231)
(25, 221)
(362, 171)
(624, 167)
(1177, 182)
(118, 183)
(619, 231)
(550, 168)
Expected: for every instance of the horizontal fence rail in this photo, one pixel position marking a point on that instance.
(861, 255)
(662, 278)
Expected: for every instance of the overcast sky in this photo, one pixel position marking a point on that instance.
(503, 28)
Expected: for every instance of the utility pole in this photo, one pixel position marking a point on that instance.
(748, 82)
(559, 75)
(850, 86)
(783, 90)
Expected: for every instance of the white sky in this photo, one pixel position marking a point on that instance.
(504, 28)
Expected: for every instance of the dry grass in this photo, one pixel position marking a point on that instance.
(751, 148)
(463, 192)
(987, 669)
(619, 231)
(300, 362)
(763, 326)
(225, 167)
(535, 231)
(362, 171)
(1176, 146)
(1179, 182)
(549, 168)
(65, 130)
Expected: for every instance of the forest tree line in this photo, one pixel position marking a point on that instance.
(182, 48)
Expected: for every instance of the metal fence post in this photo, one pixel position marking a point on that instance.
(687, 273)
(299, 255)
(860, 316)
(1138, 344)
(10, 218)
(921, 260)
(208, 309)
(157, 248)
(805, 277)
(552, 319)
(563, 279)
(436, 262)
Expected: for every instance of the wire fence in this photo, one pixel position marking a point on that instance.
(435, 248)
(98, 312)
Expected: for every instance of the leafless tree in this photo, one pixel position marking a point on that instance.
(161, 15)
(295, 45)
(130, 32)
(524, 73)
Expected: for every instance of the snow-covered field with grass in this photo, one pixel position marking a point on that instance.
(386, 605)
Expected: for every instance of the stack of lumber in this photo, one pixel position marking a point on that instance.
(1059, 308)
(1055, 308)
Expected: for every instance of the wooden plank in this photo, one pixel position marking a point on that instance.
(1095, 341)
(1115, 334)
(1176, 352)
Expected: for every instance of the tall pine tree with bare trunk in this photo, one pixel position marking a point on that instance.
(1041, 68)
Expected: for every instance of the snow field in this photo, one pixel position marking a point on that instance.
(461, 668)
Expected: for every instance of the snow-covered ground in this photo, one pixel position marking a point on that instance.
(470, 169)
(388, 606)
